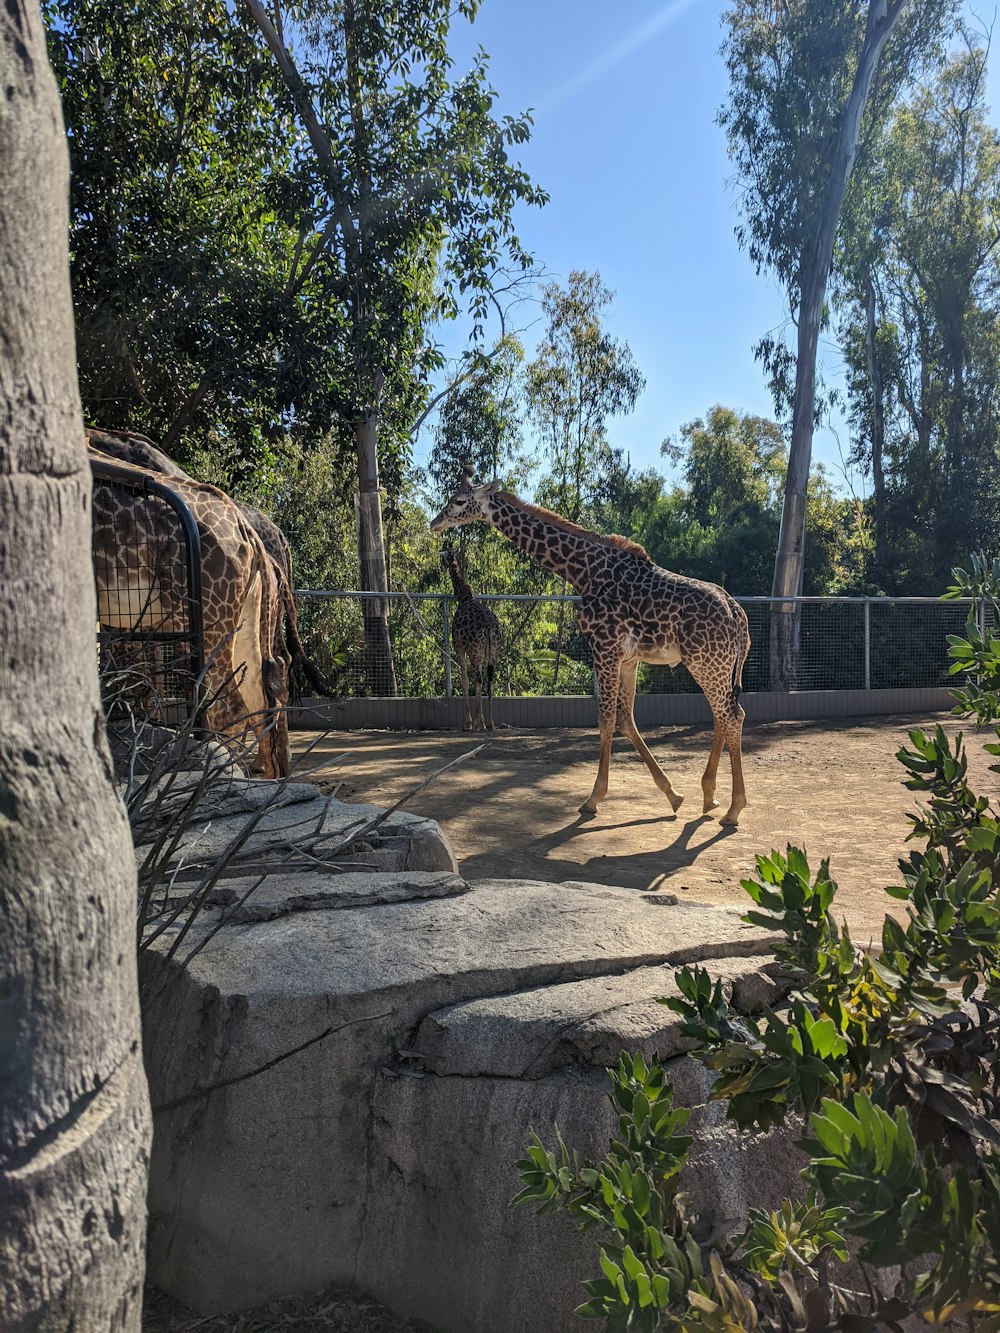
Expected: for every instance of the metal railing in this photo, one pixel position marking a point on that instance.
(843, 643)
(147, 570)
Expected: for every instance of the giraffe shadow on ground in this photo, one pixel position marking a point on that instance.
(640, 870)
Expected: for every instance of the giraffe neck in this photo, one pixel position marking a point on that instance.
(462, 590)
(570, 555)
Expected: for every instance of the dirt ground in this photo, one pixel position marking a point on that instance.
(832, 787)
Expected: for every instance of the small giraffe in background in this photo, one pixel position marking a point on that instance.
(475, 633)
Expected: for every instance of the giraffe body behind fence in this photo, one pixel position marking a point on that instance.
(128, 446)
(138, 588)
(475, 636)
(631, 611)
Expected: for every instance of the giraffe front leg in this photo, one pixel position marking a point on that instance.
(608, 670)
(712, 769)
(627, 727)
(467, 724)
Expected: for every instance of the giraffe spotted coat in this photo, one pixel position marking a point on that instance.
(631, 611)
(475, 635)
(141, 580)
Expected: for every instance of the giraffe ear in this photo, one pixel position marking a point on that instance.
(492, 487)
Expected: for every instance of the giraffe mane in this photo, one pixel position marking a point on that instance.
(602, 539)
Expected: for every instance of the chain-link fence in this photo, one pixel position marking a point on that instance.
(843, 643)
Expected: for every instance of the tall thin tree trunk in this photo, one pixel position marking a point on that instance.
(380, 668)
(814, 270)
(878, 421)
(74, 1110)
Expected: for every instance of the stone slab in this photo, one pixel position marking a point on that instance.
(528, 1034)
(401, 842)
(280, 1065)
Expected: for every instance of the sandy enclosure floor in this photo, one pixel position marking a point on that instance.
(833, 788)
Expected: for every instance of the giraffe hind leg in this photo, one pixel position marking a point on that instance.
(490, 671)
(723, 699)
(467, 723)
(608, 670)
(477, 676)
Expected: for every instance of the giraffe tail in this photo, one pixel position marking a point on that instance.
(300, 660)
(742, 653)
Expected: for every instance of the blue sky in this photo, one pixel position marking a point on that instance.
(626, 144)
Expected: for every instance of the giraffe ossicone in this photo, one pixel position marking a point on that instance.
(631, 611)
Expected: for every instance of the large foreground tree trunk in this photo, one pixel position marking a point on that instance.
(74, 1112)
(814, 269)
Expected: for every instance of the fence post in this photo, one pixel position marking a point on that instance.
(446, 606)
(868, 644)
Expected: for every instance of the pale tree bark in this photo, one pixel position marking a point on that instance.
(74, 1111)
(814, 271)
(875, 379)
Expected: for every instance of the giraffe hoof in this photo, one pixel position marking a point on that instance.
(588, 808)
(676, 801)
(710, 805)
(730, 821)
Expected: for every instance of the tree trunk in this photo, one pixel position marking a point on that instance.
(813, 272)
(74, 1110)
(878, 422)
(380, 669)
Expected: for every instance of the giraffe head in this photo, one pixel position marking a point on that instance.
(468, 504)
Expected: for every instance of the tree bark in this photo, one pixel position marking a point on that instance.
(814, 270)
(380, 668)
(875, 379)
(74, 1110)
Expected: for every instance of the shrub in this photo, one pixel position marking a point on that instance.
(892, 1059)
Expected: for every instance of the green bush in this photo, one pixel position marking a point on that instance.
(892, 1059)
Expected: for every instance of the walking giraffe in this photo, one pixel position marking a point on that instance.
(632, 611)
(475, 633)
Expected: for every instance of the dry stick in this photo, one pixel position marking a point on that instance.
(384, 814)
(196, 899)
(261, 1069)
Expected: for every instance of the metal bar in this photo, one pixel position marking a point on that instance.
(557, 597)
(868, 644)
(144, 484)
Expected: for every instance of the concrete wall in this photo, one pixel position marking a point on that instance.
(581, 710)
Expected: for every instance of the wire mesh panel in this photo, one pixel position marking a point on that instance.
(147, 572)
(909, 643)
(841, 643)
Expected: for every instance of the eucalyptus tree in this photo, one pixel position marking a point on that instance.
(580, 378)
(74, 1108)
(921, 326)
(807, 84)
(413, 176)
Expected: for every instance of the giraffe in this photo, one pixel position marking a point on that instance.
(632, 611)
(475, 632)
(139, 586)
(140, 451)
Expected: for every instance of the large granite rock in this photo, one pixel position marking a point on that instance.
(345, 1073)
